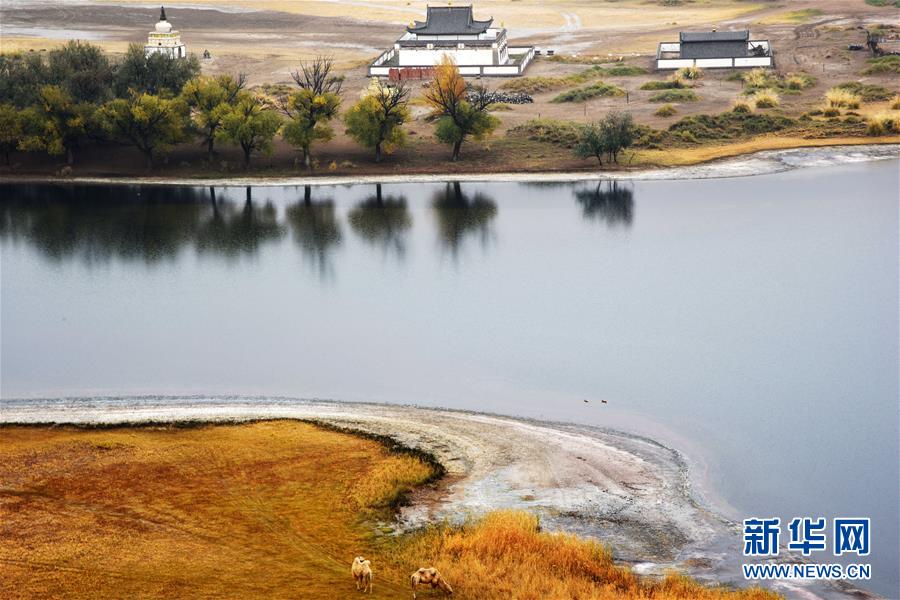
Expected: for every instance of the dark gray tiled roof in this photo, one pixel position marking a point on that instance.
(714, 50)
(715, 36)
(450, 20)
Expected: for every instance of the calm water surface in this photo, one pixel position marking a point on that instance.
(752, 322)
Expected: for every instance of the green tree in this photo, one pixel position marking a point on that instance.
(60, 124)
(312, 107)
(156, 74)
(461, 109)
(82, 69)
(210, 99)
(21, 78)
(376, 121)
(11, 131)
(610, 136)
(150, 123)
(250, 125)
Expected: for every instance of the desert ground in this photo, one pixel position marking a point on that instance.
(267, 39)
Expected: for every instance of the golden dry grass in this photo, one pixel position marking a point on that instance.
(506, 555)
(268, 509)
(272, 509)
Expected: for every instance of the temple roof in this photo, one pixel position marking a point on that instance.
(715, 36)
(450, 20)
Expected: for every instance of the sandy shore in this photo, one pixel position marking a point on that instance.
(758, 163)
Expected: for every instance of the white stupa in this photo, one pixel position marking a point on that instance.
(165, 40)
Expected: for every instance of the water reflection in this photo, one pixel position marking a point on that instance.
(232, 230)
(383, 221)
(316, 229)
(461, 215)
(610, 201)
(99, 223)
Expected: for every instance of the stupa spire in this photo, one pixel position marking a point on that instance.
(162, 13)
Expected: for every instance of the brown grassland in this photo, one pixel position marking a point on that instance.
(271, 509)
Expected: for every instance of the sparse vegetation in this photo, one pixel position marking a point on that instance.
(595, 90)
(666, 110)
(894, 3)
(794, 16)
(883, 124)
(883, 65)
(895, 102)
(765, 98)
(867, 92)
(549, 131)
(726, 126)
(842, 98)
(675, 96)
(741, 107)
(689, 73)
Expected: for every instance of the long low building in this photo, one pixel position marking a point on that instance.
(714, 49)
(475, 46)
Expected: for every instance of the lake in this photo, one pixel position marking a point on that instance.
(750, 322)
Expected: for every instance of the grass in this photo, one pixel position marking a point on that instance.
(727, 126)
(596, 90)
(665, 84)
(757, 79)
(794, 16)
(540, 83)
(894, 3)
(883, 65)
(842, 98)
(765, 98)
(549, 131)
(674, 96)
(160, 511)
(546, 565)
(271, 509)
(741, 107)
(895, 102)
(689, 73)
(867, 92)
(666, 110)
(883, 124)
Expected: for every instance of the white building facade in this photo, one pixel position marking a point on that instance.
(714, 50)
(165, 40)
(476, 47)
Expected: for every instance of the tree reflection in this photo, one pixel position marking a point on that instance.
(608, 202)
(316, 229)
(232, 230)
(460, 215)
(98, 223)
(382, 221)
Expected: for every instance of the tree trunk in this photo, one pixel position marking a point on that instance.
(307, 159)
(70, 157)
(209, 150)
(149, 161)
(456, 147)
(600, 160)
(6, 156)
(378, 152)
(246, 158)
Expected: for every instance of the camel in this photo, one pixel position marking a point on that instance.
(361, 569)
(429, 576)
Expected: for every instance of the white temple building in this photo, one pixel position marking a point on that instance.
(165, 40)
(476, 47)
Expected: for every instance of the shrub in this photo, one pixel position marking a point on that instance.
(666, 110)
(830, 111)
(841, 98)
(595, 90)
(868, 92)
(798, 81)
(757, 78)
(624, 71)
(728, 125)
(883, 124)
(765, 98)
(674, 96)
(741, 107)
(689, 73)
(895, 102)
(550, 131)
(665, 84)
(883, 65)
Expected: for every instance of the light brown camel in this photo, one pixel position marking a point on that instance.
(429, 576)
(361, 569)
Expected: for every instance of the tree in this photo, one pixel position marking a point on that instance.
(11, 132)
(156, 74)
(461, 109)
(150, 123)
(82, 69)
(250, 125)
(312, 107)
(610, 136)
(210, 99)
(21, 78)
(376, 121)
(59, 123)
